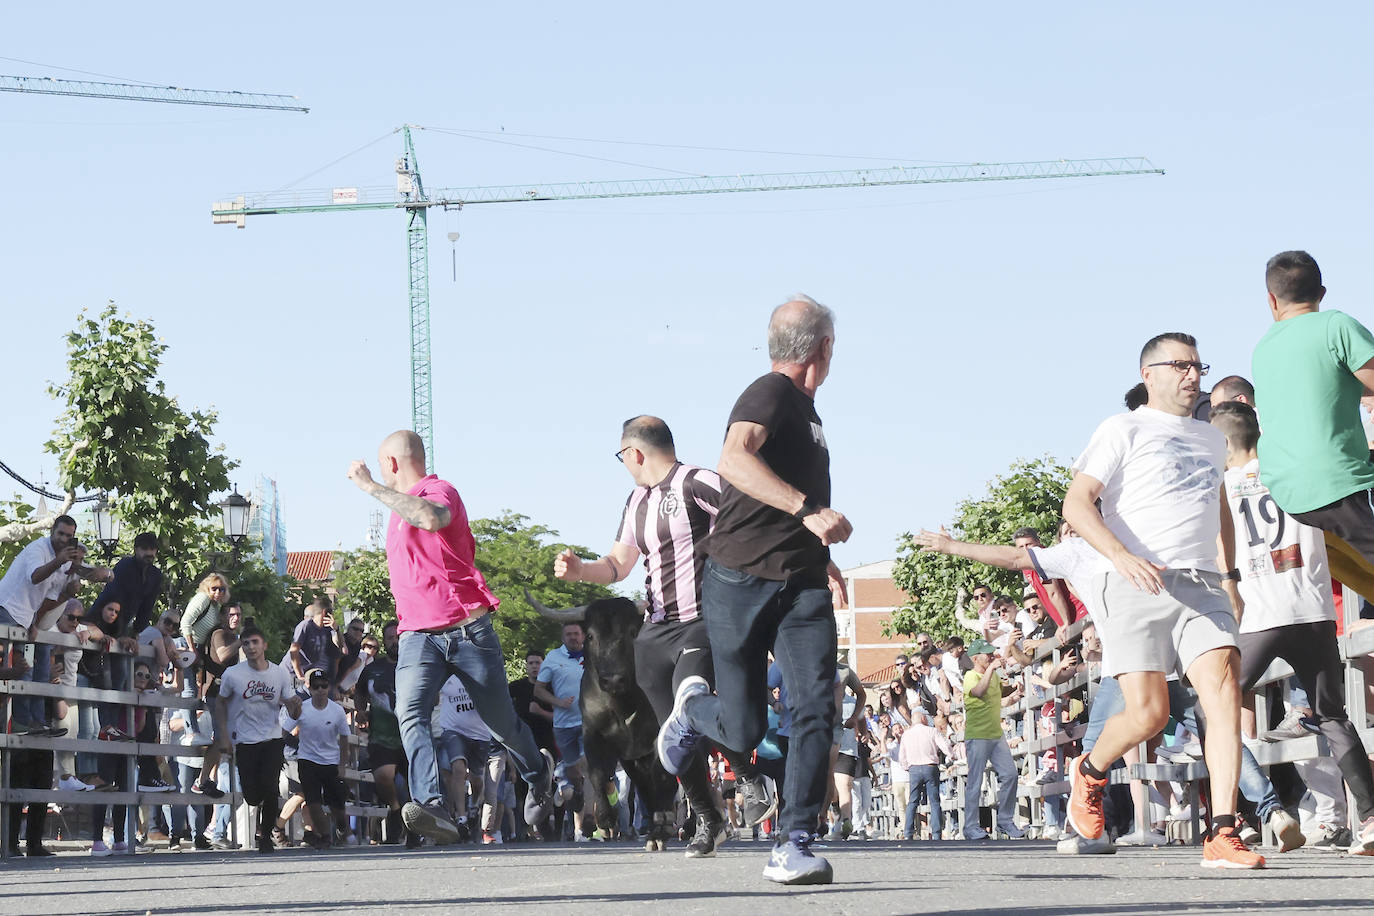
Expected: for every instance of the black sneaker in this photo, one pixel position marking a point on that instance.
(710, 833)
(265, 845)
(540, 795)
(1331, 839)
(202, 843)
(464, 831)
(431, 821)
(758, 803)
(208, 789)
(279, 838)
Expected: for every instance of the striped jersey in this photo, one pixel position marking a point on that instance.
(666, 523)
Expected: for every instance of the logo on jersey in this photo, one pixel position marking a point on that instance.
(260, 689)
(1287, 558)
(670, 505)
(818, 435)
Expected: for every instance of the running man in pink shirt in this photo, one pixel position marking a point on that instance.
(444, 608)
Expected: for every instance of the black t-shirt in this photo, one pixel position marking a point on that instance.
(522, 694)
(755, 538)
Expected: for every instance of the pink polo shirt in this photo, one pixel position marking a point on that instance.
(433, 575)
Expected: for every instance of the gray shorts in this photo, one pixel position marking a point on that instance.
(1165, 632)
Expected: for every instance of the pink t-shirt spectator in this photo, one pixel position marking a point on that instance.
(433, 575)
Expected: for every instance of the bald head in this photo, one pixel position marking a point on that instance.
(402, 456)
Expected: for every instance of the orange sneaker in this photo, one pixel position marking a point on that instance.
(1223, 849)
(1085, 801)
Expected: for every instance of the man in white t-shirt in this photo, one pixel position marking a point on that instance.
(1164, 605)
(1289, 610)
(321, 757)
(464, 746)
(251, 694)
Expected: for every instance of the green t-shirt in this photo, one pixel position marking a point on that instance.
(1313, 449)
(982, 715)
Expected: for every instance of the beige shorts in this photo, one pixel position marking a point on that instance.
(1165, 632)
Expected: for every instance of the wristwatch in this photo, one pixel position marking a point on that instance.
(1232, 574)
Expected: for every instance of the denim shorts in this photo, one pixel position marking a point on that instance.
(569, 741)
(453, 747)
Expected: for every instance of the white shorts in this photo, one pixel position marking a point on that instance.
(1165, 632)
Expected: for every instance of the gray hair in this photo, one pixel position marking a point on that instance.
(793, 337)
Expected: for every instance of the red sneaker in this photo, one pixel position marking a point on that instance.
(1223, 849)
(1085, 801)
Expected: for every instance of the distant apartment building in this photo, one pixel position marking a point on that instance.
(872, 598)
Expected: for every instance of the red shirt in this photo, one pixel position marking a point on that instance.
(433, 573)
(1038, 584)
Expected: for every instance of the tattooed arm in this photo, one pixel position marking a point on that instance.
(417, 512)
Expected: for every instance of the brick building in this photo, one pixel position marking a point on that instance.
(872, 598)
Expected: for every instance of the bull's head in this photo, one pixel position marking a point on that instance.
(611, 625)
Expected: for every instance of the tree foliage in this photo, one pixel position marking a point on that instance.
(513, 555)
(1031, 494)
(274, 602)
(120, 432)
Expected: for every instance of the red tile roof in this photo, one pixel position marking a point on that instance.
(882, 676)
(310, 565)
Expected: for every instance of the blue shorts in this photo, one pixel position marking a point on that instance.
(453, 747)
(569, 741)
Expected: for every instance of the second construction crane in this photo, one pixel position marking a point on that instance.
(411, 197)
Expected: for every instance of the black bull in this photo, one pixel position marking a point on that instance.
(618, 724)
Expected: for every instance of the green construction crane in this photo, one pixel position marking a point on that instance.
(136, 92)
(410, 196)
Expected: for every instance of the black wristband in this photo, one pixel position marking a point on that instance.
(1232, 574)
(807, 508)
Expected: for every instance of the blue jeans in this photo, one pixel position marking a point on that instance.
(227, 782)
(187, 776)
(925, 775)
(87, 726)
(1254, 785)
(31, 710)
(425, 661)
(745, 617)
(981, 752)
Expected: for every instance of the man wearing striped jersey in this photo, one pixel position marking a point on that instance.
(671, 509)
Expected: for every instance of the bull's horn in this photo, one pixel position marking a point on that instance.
(567, 615)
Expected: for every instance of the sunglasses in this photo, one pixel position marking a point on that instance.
(70, 618)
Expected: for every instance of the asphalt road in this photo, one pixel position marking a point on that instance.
(872, 878)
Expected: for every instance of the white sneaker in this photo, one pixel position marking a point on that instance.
(1143, 838)
(1287, 831)
(100, 850)
(72, 784)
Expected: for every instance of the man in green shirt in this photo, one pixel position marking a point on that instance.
(984, 743)
(1310, 370)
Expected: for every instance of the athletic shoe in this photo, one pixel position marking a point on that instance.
(174, 844)
(677, 740)
(140, 847)
(464, 831)
(120, 849)
(208, 789)
(430, 821)
(1143, 838)
(49, 731)
(978, 837)
(1330, 839)
(757, 803)
(1049, 777)
(540, 795)
(1223, 849)
(1012, 832)
(280, 839)
(223, 842)
(793, 862)
(155, 785)
(1173, 755)
(38, 852)
(1248, 834)
(1363, 844)
(491, 838)
(265, 845)
(100, 850)
(72, 784)
(710, 834)
(1287, 831)
(1075, 845)
(1085, 814)
(110, 733)
(202, 843)
(1290, 727)
(834, 834)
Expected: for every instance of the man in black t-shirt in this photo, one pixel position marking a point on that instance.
(537, 715)
(766, 584)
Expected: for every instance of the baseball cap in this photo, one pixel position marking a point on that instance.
(980, 647)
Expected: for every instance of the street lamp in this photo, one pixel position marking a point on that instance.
(107, 526)
(235, 509)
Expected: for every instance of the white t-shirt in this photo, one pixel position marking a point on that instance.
(151, 634)
(320, 731)
(1285, 578)
(18, 594)
(458, 713)
(254, 697)
(953, 673)
(1075, 561)
(1161, 477)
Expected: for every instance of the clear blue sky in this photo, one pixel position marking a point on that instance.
(976, 325)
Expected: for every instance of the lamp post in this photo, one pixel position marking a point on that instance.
(235, 509)
(107, 526)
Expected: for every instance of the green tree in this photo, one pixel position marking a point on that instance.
(364, 588)
(274, 602)
(120, 432)
(1031, 494)
(514, 555)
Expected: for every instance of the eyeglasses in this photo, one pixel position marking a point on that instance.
(218, 588)
(982, 594)
(1183, 365)
(620, 455)
(70, 618)
(141, 675)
